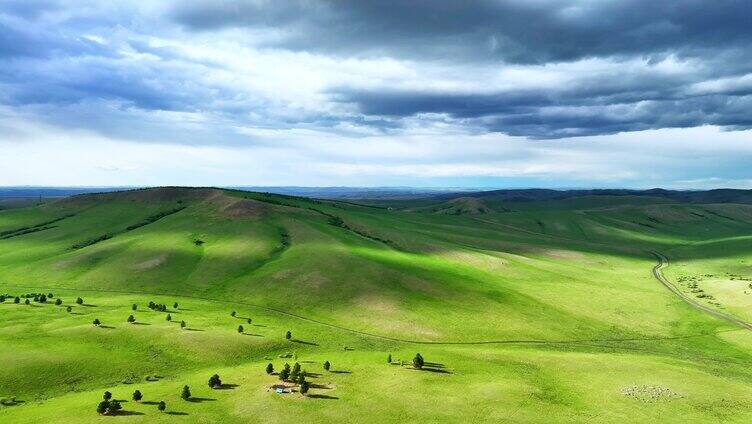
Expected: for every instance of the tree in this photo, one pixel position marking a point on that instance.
(134, 307)
(240, 329)
(68, 309)
(327, 365)
(232, 314)
(285, 373)
(58, 301)
(79, 301)
(270, 369)
(36, 298)
(102, 407)
(186, 393)
(107, 395)
(295, 371)
(2, 299)
(249, 321)
(49, 296)
(131, 319)
(288, 335)
(96, 322)
(304, 386)
(389, 358)
(301, 377)
(27, 301)
(215, 382)
(16, 299)
(161, 406)
(42, 299)
(182, 324)
(169, 317)
(137, 395)
(113, 407)
(418, 361)
(175, 305)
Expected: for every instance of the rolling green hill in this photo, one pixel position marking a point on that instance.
(535, 311)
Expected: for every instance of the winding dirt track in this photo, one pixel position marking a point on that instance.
(658, 274)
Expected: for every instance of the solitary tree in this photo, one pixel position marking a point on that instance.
(232, 314)
(137, 395)
(215, 382)
(107, 395)
(249, 321)
(186, 393)
(288, 335)
(182, 324)
(327, 365)
(175, 305)
(134, 307)
(96, 322)
(161, 406)
(79, 301)
(240, 329)
(270, 368)
(27, 301)
(418, 361)
(49, 296)
(68, 309)
(58, 301)
(304, 386)
(131, 319)
(389, 358)
(169, 317)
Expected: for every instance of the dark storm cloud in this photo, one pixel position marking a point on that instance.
(518, 31)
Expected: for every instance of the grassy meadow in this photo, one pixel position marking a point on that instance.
(524, 311)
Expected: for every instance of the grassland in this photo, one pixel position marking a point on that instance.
(535, 312)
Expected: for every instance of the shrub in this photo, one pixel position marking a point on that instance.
(288, 335)
(161, 406)
(131, 319)
(79, 301)
(186, 393)
(96, 322)
(214, 381)
(240, 329)
(68, 309)
(270, 368)
(137, 395)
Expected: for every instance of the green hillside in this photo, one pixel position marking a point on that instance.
(543, 311)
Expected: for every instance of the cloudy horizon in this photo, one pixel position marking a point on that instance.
(535, 93)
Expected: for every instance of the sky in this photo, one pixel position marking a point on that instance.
(423, 93)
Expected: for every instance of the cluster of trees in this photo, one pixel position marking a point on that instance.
(159, 307)
(108, 406)
(294, 374)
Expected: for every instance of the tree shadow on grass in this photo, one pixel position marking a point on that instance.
(259, 325)
(433, 365)
(140, 323)
(429, 369)
(88, 305)
(176, 413)
(320, 386)
(340, 372)
(200, 399)
(106, 326)
(227, 386)
(126, 413)
(304, 342)
(194, 329)
(150, 402)
(252, 334)
(320, 396)
(313, 374)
